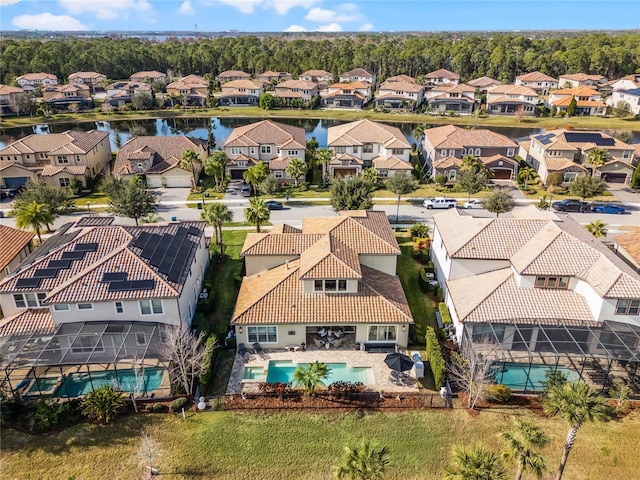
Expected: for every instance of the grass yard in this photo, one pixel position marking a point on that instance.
(229, 445)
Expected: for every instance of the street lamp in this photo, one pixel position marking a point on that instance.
(201, 190)
(89, 208)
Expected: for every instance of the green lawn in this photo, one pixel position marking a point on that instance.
(228, 445)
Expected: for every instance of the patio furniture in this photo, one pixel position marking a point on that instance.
(319, 343)
(292, 348)
(259, 351)
(399, 362)
(322, 332)
(338, 342)
(242, 350)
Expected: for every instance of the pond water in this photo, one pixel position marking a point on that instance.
(222, 127)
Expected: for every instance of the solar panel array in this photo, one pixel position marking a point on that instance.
(86, 247)
(168, 253)
(114, 277)
(59, 264)
(74, 255)
(598, 139)
(45, 273)
(28, 283)
(132, 285)
(545, 139)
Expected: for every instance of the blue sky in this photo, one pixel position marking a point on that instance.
(318, 15)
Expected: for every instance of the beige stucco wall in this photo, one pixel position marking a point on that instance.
(463, 267)
(176, 177)
(259, 263)
(384, 263)
(13, 263)
(106, 311)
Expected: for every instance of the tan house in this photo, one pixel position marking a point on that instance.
(240, 93)
(317, 76)
(158, 159)
(588, 101)
(91, 79)
(511, 100)
(401, 78)
(121, 93)
(335, 273)
(232, 75)
(568, 152)
(264, 141)
(56, 158)
(576, 80)
(30, 81)
(627, 246)
(272, 77)
(61, 97)
(359, 75)
(538, 81)
(444, 147)
(458, 98)
(9, 99)
(292, 90)
(346, 95)
(483, 83)
(149, 77)
(365, 144)
(192, 88)
(399, 95)
(15, 246)
(442, 77)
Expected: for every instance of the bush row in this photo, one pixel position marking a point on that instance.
(444, 314)
(436, 360)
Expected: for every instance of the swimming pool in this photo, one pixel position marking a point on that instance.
(80, 383)
(44, 385)
(282, 371)
(253, 373)
(526, 377)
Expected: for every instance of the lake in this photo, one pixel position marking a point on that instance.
(197, 127)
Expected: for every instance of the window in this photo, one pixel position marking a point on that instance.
(552, 282)
(342, 285)
(626, 154)
(63, 159)
(242, 163)
(31, 300)
(355, 149)
(511, 152)
(452, 152)
(265, 148)
(235, 151)
(77, 158)
(341, 149)
(367, 148)
(141, 338)
(397, 151)
(262, 334)
(64, 182)
(278, 174)
(87, 343)
(292, 153)
(627, 306)
(382, 333)
(451, 175)
(464, 152)
(119, 308)
(570, 176)
(443, 153)
(85, 306)
(330, 285)
(151, 307)
(477, 152)
(383, 173)
(61, 307)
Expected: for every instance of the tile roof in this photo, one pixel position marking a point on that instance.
(190, 81)
(450, 136)
(237, 84)
(483, 82)
(566, 101)
(578, 91)
(513, 90)
(401, 77)
(27, 321)
(277, 243)
(400, 86)
(299, 84)
(581, 77)
(629, 241)
(366, 131)
(94, 221)
(234, 73)
(37, 76)
(267, 132)
(360, 72)
(284, 228)
(148, 74)
(316, 73)
(8, 89)
(85, 75)
(329, 258)
(535, 77)
(391, 163)
(12, 241)
(165, 151)
(50, 171)
(73, 140)
(442, 73)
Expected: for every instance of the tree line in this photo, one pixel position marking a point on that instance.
(501, 56)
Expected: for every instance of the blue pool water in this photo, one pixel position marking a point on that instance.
(522, 376)
(78, 384)
(43, 384)
(282, 371)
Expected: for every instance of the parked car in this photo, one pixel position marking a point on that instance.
(473, 203)
(8, 192)
(440, 202)
(273, 205)
(245, 190)
(570, 205)
(609, 208)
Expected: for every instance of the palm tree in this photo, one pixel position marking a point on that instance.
(256, 213)
(323, 157)
(470, 162)
(216, 214)
(191, 161)
(295, 169)
(526, 175)
(256, 174)
(597, 157)
(214, 165)
(153, 217)
(520, 447)
(475, 463)
(370, 175)
(577, 403)
(597, 228)
(33, 215)
(363, 461)
(418, 131)
(311, 376)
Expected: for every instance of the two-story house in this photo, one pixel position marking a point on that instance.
(337, 272)
(567, 152)
(232, 75)
(346, 95)
(121, 93)
(365, 144)
(240, 93)
(483, 84)
(192, 88)
(443, 149)
(588, 101)
(627, 82)
(575, 80)
(458, 98)
(149, 77)
(538, 81)
(61, 97)
(296, 90)
(399, 95)
(30, 81)
(158, 159)
(317, 76)
(90, 79)
(631, 96)
(273, 78)
(442, 77)
(273, 143)
(359, 75)
(10, 99)
(56, 158)
(511, 100)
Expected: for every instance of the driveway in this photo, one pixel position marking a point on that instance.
(623, 193)
(233, 190)
(172, 194)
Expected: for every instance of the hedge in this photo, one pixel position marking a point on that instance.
(444, 314)
(177, 404)
(439, 294)
(436, 360)
(423, 281)
(200, 324)
(206, 373)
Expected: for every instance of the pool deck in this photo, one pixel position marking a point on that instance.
(354, 358)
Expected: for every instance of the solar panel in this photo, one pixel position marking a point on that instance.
(86, 247)
(150, 246)
(28, 283)
(597, 138)
(114, 276)
(160, 252)
(45, 273)
(59, 264)
(119, 286)
(142, 240)
(143, 284)
(75, 255)
(193, 231)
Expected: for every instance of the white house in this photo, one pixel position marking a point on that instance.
(511, 100)
(588, 101)
(538, 81)
(442, 77)
(458, 98)
(358, 75)
(576, 80)
(399, 95)
(30, 81)
(631, 96)
(240, 93)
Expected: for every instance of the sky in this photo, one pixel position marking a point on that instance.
(318, 15)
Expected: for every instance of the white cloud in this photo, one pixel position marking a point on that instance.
(4, 3)
(332, 27)
(186, 8)
(283, 6)
(296, 28)
(47, 21)
(105, 10)
(346, 12)
(245, 6)
(367, 27)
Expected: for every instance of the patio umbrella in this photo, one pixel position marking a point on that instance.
(399, 362)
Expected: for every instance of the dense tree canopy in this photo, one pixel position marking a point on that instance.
(501, 56)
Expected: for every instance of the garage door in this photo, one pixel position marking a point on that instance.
(344, 172)
(236, 174)
(501, 174)
(15, 181)
(614, 177)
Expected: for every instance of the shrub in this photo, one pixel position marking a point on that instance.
(420, 230)
(555, 179)
(277, 387)
(206, 373)
(103, 404)
(200, 324)
(439, 294)
(423, 280)
(436, 360)
(441, 179)
(444, 314)
(499, 393)
(158, 408)
(177, 404)
(341, 388)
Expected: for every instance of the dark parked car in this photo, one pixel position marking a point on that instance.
(245, 190)
(570, 205)
(8, 192)
(273, 205)
(609, 208)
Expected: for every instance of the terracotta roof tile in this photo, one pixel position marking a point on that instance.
(442, 73)
(234, 73)
(535, 77)
(267, 132)
(450, 136)
(631, 243)
(366, 131)
(482, 82)
(281, 244)
(391, 163)
(12, 241)
(329, 258)
(166, 151)
(27, 321)
(79, 142)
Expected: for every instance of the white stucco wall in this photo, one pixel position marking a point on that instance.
(105, 311)
(260, 263)
(463, 267)
(384, 263)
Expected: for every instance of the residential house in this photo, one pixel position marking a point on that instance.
(240, 93)
(359, 75)
(90, 79)
(317, 76)
(9, 99)
(336, 272)
(149, 77)
(399, 95)
(576, 80)
(483, 84)
(121, 93)
(296, 91)
(30, 81)
(365, 144)
(15, 246)
(534, 286)
(442, 77)
(628, 82)
(539, 82)
(632, 97)
(444, 147)
(232, 75)
(512, 100)
(158, 159)
(56, 158)
(401, 78)
(61, 97)
(567, 151)
(346, 95)
(192, 89)
(459, 98)
(627, 246)
(270, 142)
(588, 101)
(272, 78)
